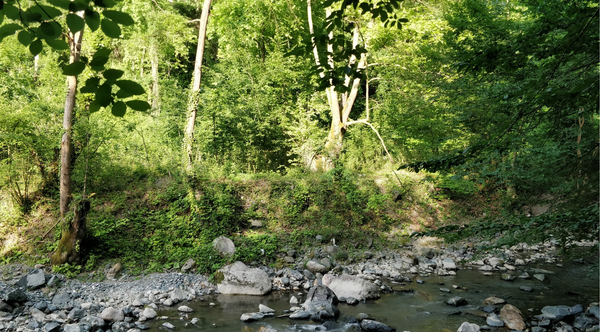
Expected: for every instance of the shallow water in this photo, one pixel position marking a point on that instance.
(423, 309)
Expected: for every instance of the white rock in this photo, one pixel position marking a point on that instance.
(468, 327)
(169, 326)
(149, 313)
(184, 308)
(113, 315)
(241, 279)
(263, 308)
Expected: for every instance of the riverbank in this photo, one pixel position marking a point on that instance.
(38, 300)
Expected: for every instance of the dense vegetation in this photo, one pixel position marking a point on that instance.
(470, 118)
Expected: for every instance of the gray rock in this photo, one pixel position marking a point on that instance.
(184, 308)
(315, 267)
(540, 277)
(457, 301)
(525, 275)
(593, 310)
(294, 300)
(300, 315)
(494, 320)
(113, 272)
(352, 301)
(285, 281)
(169, 326)
(149, 313)
(555, 313)
(251, 316)
(37, 314)
(189, 264)
(36, 279)
(61, 300)
(468, 327)
(7, 307)
(538, 329)
(492, 300)
(224, 246)
(576, 309)
(93, 322)
(512, 317)
(168, 302)
(112, 315)
(76, 314)
(526, 288)
(448, 264)
(240, 279)
(351, 286)
(309, 275)
(444, 290)
(507, 277)
(51, 327)
(319, 305)
(369, 325)
(264, 309)
(178, 295)
(119, 327)
(16, 295)
(326, 262)
(583, 322)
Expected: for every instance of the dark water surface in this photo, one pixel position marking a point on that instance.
(423, 309)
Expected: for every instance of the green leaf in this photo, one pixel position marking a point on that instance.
(8, 30)
(104, 95)
(75, 23)
(113, 74)
(64, 4)
(30, 16)
(91, 85)
(403, 20)
(1, 13)
(74, 68)
(25, 37)
(94, 107)
(49, 30)
(47, 12)
(138, 105)
(122, 94)
(57, 44)
(92, 19)
(119, 108)
(131, 87)
(11, 12)
(110, 28)
(77, 5)
(36, 47)
(105, 3)
(119, 17)
(1, 4)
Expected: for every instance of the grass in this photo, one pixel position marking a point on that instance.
(154, 223)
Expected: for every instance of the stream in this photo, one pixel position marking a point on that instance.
(411, 307)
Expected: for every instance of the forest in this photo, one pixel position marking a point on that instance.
(142, 130)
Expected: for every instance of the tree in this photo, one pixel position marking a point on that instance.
(38, 24)
(188, 140)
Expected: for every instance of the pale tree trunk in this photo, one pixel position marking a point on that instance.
(340, 116)
(155, 85)
(188, 140)
(74, 231)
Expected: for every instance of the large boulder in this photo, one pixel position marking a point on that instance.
(315, 267)
(370, 325)
(36, 279)
(224, 246)
(319, 305)
(468, 327)
(238, 278)
(512, 317)
(351, 286)
(112, 315)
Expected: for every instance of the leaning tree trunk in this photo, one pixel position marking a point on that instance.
(72, 231)
(188, 140)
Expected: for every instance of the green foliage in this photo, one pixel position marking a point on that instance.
(69, 271)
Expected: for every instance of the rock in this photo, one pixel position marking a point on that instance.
(352, 301)
(526, 288)
(541, 271)
(493, 301)
(351, 286)
(16, 295)
(583, 322)
(168, 302)
(285, 281)
(468, 327)
(444, 290)
(149, 313)
(113, 272)
(93, 322)
(7, 307)
(319, 305)
(189, 264)
(576, 309)
(294, 300)
(36, 279)
(266, 329)
(169, 326)
(256, 223)
(237, 278)
(494, 320)
(37, 314)
(315, 267)
(488, 308)
(73, 328)
(51, 327)
(512, 317)
(525, 275)
(178, 295)
(555, 313)
(457, 301)
(538, 329)
(224, 246)
(326, 262)
(61, 299)
(448, 264)
(252, 316)
(184, 308)
(594, 311)
(264, 309)
(540, 277)
(507, 277)
(112, 315)
(369, 325)
(494, 261)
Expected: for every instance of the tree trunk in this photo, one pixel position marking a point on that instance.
(155, 86)
(188, 140)
(65, 252)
